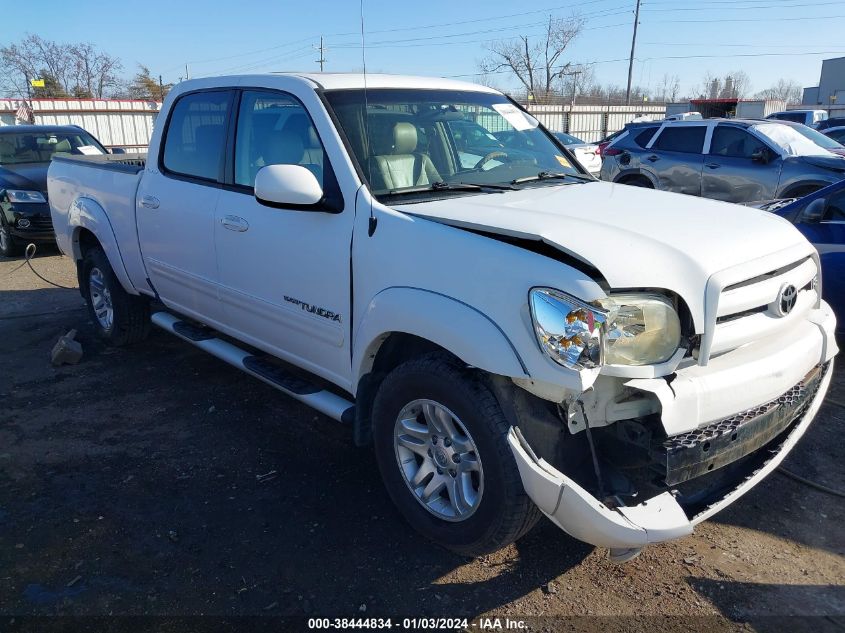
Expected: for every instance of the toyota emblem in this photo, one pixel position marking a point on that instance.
(786, 299)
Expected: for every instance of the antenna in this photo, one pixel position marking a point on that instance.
(373, 221)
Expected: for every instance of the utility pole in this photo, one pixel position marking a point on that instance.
(187, 74)
(574, 74)
(633, 47)
(322, 50)
(160, 88)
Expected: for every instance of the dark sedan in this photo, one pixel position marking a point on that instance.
(25, 154)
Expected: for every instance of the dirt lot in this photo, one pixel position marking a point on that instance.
(128, 487)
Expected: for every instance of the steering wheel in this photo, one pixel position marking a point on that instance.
(491, 156)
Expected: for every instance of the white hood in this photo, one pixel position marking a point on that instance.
(635, 237)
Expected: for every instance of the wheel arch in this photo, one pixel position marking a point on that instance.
(632, 174)
(398, 326)
(89, 227)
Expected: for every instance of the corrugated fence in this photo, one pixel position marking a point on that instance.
(129, 123)
(115, 122)
(592, 123)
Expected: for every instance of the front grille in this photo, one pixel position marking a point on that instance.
(748, 310)
(702, 450)
(41, 223)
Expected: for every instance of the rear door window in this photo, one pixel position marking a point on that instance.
(688, 139)
(642, 138)
(195, 138)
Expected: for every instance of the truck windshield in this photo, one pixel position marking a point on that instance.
(407, 140)
(40, 147)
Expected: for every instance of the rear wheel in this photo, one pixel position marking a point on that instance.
(441, 445)
(638, 181)
(9, 247)
(120, 318)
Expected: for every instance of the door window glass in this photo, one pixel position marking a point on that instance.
(733, 142)
(275, 129)
(681, 138)
(835, 208)
(196, 135)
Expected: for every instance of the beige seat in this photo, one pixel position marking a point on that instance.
(396, 163)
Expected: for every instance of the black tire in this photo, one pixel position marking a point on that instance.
(9, 246)
(639, 181)
(131, 313)
(504, 512)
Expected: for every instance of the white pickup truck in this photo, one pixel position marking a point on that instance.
(512, 336)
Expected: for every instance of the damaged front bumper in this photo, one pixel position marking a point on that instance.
(749, 444)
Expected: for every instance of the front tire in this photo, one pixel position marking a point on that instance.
(120, 318)
(441, 445)
(9, 246)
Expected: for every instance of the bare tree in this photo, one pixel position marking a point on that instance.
(670, 88)
(535, 63)
(95, 71)
(784, 90)
(66, 68)
(734, 85)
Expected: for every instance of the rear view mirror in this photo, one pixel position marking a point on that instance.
(760, 155)
(287, 187)
(813, 212)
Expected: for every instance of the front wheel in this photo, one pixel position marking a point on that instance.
(9, 247)
(119, 317)
(441, 445)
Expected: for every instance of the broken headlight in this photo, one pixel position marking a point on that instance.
(568, 330)
(629, 329)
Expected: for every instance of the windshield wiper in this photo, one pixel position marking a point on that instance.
(447, 186)
(549, 175)
(497, 185)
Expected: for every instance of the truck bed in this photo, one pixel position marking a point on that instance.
(127, 163)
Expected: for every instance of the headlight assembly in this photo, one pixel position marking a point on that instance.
(20, 195)
(568, 330)
(629, 329)
(642, 329)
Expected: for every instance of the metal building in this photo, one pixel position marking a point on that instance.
(126, 123)
(831, 89)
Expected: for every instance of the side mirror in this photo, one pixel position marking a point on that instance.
(813, 212)
(287, 187)
(117, 150)
(761, 155)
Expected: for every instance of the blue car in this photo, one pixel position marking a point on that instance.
(820, 216)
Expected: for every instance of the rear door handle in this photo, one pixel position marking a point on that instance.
(653, 158)
(150, 202)
(712, 165)
(234, 223)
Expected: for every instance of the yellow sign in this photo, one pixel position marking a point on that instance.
(563, 161)
(36, 83)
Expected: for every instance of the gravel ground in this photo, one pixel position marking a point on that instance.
(128, 486)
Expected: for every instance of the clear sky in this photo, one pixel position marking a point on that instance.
(768, 39)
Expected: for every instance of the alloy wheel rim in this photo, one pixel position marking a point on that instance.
(439, 460)
(101, 299)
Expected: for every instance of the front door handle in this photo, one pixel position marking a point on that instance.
(234, 223)
(712, 165)
(653, 158)
(150, 202)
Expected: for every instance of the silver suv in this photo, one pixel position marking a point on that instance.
(727, 159)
